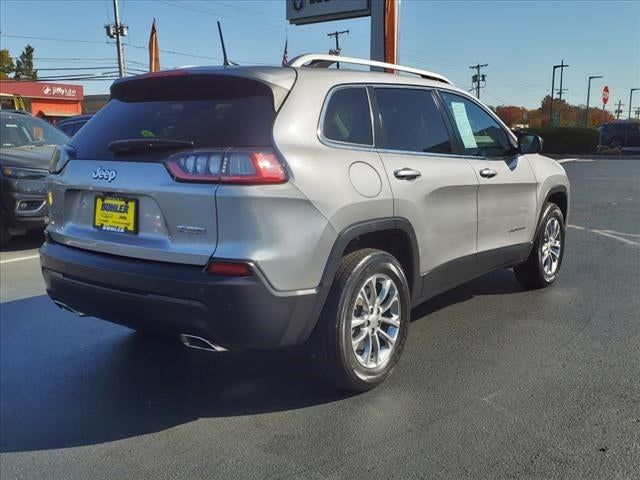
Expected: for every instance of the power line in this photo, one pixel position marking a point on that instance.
(513, 79)
(214, 14)
(73, 68)
(72, 40)
(52, 39)
(496, 98)
(244, 9)
(174, 52)
(47, 59)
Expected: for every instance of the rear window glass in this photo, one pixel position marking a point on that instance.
(210, 111)
(348, 118)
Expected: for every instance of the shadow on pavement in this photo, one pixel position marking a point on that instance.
(68, 381)
(24, 242)
(500, 282)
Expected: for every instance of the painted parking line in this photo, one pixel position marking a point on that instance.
(577, 160)
(19, 259)
(620, 236)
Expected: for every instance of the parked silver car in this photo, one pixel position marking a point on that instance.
(268, 207)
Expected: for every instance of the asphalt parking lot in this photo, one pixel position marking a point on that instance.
(495, 382)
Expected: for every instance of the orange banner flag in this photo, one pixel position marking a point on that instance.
(154, 51)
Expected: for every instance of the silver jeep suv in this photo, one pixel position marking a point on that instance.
(267, 207)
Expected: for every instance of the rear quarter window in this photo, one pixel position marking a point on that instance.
(347, 117)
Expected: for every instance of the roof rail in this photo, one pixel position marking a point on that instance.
(319, 60)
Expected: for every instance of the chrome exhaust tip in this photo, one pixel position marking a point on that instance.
(64, 306)
(199, 343)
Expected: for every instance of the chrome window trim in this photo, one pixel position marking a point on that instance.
(337, 143)
(372, 148)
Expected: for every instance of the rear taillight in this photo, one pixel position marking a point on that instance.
(196, 167)
(234, 166)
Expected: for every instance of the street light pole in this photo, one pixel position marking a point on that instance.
(586, 115)
(630, 98)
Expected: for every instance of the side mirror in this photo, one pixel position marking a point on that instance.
(529, 143)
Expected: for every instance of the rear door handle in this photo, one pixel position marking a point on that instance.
(407, 174)
(488, 173)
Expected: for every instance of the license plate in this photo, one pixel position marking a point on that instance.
(116, 214)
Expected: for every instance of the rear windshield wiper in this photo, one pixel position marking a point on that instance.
(147, 144)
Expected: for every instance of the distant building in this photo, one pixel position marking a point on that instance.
(50, 101)
(93, 103)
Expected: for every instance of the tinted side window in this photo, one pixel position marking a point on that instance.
(480, 133)
(411, 121)
(348, 118)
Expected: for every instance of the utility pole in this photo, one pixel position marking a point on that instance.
(586, 114)
(637, 113)
(619, 109)
(630, 99)
(562, 66)
(117, 30)
(336, 35)
(477, 78)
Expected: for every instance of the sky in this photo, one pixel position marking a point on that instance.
(519, 40)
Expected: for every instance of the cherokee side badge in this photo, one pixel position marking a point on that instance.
(191, 229)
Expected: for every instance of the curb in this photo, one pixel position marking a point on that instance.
(595, 156)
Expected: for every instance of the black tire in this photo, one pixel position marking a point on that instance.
(531, 273)
(332, 355)
(5, 236)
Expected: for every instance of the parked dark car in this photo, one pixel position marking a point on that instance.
(619, 135)
(72, 124)
(26, 145)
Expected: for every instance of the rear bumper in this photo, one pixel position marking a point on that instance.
(241, 313)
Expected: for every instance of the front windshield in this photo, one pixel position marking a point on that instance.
(18, 130)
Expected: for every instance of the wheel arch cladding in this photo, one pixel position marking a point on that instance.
(393, 235)
(560, 197)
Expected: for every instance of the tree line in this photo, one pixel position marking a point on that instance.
(565, 115)
(23, 67)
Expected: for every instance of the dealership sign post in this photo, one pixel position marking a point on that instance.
(383, 13)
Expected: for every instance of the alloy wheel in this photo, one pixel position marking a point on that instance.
(551, 247)
(375, 321)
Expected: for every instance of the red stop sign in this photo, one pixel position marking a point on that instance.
(605, 95)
